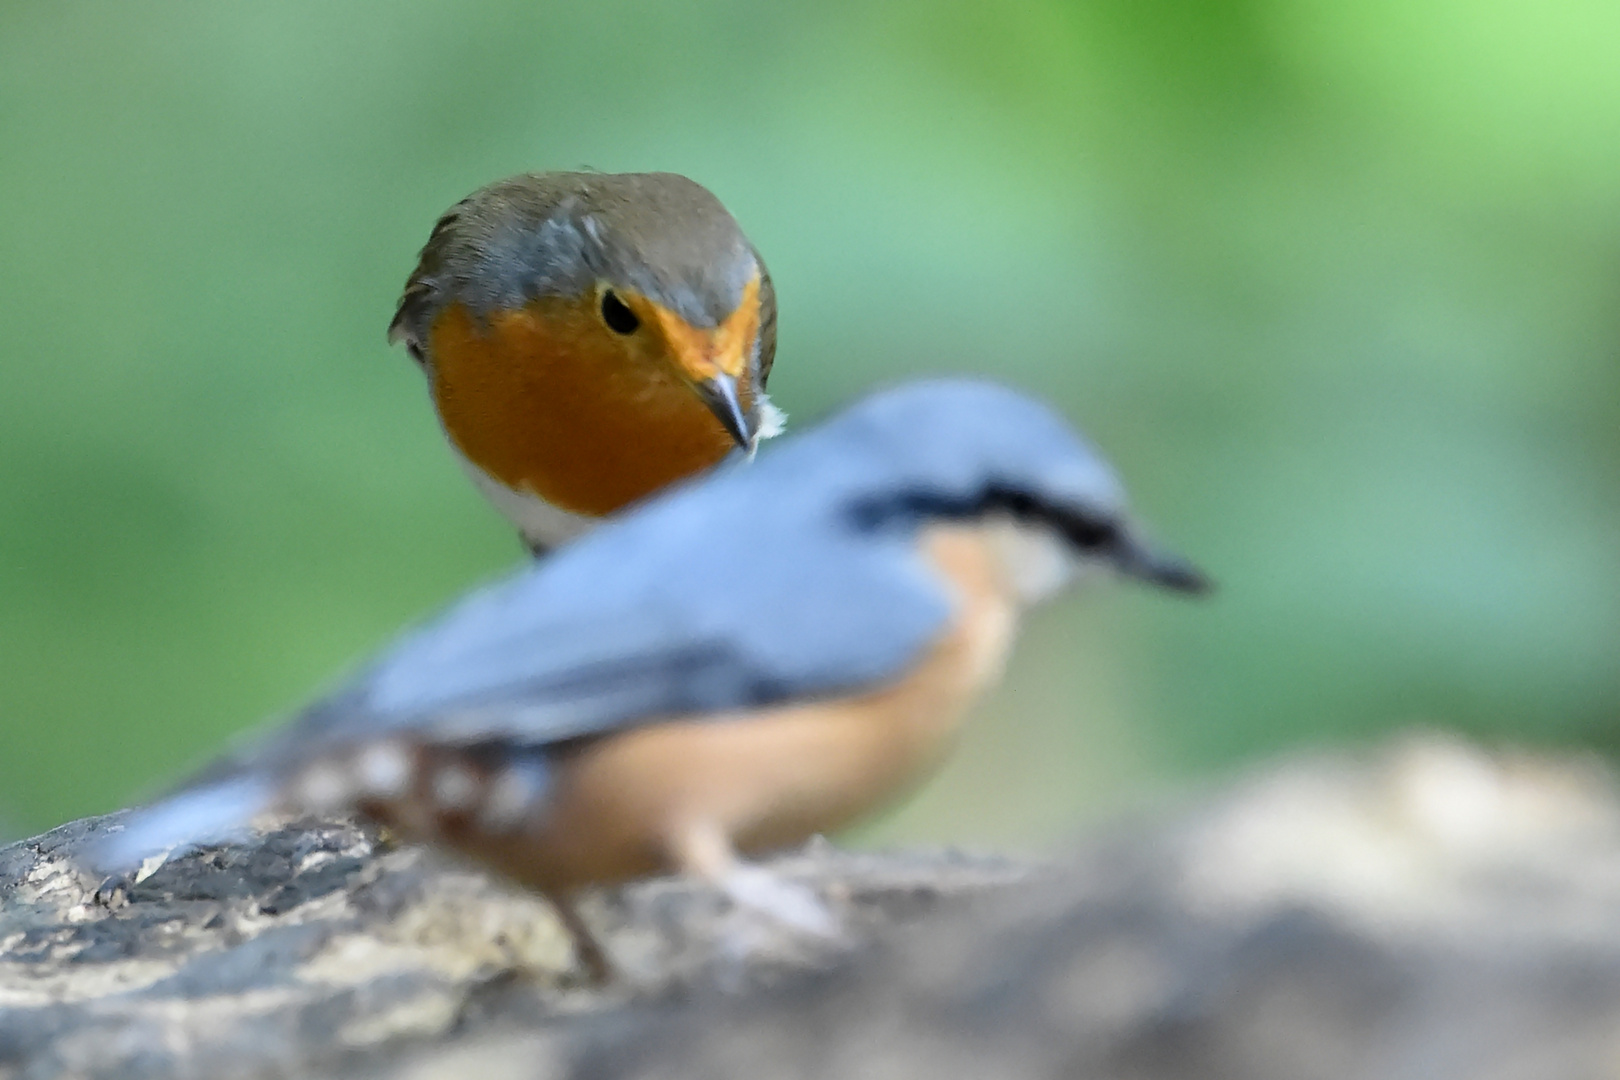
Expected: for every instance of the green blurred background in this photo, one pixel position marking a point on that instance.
(1334, 284)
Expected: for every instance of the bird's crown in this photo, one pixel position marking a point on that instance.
(659, 235)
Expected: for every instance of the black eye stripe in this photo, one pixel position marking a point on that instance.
(1093, 532)
(619, 318)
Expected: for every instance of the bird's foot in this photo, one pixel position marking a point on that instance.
(790, 905)
(595, 966)
(772, 923)
(775, 923)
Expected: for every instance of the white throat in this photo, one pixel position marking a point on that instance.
(542, 524)
(1036, 560)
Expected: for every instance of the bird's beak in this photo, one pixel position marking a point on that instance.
(719, 393)
(713, 361)
(1138, 559)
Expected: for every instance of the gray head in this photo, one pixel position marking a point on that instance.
(658, 235)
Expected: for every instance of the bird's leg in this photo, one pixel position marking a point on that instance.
(703, 850)
(587, 950)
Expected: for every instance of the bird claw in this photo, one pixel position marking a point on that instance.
(789, 905)
(773, 923)
(113, 892)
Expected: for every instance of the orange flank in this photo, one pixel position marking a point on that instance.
(548, 400)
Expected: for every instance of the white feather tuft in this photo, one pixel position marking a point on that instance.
(772, 421)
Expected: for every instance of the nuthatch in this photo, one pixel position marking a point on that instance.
(751, 659)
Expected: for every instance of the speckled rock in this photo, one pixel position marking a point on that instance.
(1429, 911)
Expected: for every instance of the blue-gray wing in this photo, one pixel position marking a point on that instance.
(547, 655)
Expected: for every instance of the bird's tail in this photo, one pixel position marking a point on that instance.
(208, 813)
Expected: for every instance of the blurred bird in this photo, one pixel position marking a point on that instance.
(589, 338)
(747, 661)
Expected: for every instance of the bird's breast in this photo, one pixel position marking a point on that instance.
(548, 400)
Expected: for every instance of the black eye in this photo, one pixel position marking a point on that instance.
(620, 319)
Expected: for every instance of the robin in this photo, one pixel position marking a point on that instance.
(730, 668)
(588, 339)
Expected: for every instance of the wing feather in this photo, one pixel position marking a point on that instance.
(593, 640)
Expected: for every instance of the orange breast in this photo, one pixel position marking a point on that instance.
(549, 400)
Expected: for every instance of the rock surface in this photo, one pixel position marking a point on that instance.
(1430, 911)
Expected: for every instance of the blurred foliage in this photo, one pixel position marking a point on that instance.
(1334, 285)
